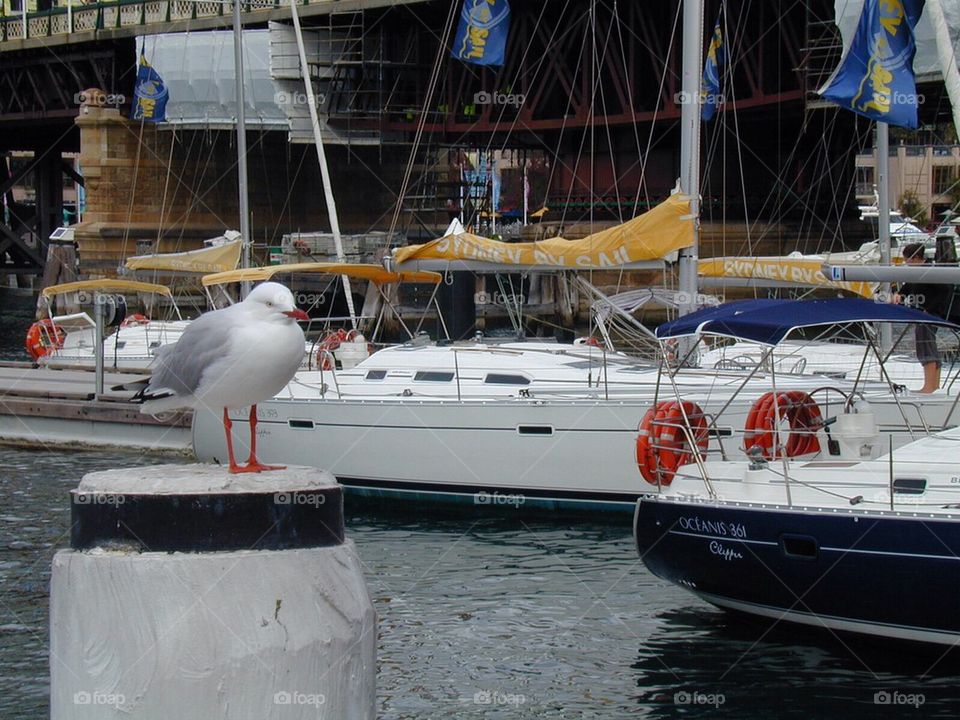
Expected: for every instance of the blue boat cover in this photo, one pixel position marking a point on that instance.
(770, 321)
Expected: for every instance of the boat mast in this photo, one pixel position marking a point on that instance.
(883, 221)
(322, 159)
(690, 146)
(244, 204)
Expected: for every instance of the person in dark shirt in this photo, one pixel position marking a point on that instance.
(932, 299)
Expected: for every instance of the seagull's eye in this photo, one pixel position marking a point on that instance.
(269, 304)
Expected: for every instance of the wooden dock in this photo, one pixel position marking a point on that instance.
(57, 408)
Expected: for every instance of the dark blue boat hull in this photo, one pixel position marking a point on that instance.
(892, 575)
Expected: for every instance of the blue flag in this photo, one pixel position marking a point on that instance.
(149, 95)
(875, 77)
(710, 97)
(482, 34)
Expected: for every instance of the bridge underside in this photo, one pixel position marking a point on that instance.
(587, 101)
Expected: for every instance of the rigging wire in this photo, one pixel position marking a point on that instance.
(428, 99)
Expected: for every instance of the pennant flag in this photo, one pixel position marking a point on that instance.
(481, 37)
(875, 77)
(149, 95)
(710, 97)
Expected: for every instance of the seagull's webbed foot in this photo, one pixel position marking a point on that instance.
(254, 467)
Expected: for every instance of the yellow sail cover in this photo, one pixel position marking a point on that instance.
(650, 236)
(218, 258)
(795, 270)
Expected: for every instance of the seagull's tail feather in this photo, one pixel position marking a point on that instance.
(161, 401)
(138, 386)
(153, 400)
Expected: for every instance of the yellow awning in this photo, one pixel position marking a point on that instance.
(803, 271)
(373, 273)
(219, 258)
(106, 285)
(650, 236)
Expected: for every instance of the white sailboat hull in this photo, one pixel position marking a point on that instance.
(524, 452)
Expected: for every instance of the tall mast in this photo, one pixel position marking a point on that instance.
(690, 145)
(883, 219)
(241, 142)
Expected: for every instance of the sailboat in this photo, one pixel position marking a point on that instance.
(546, 425)
(867, 545)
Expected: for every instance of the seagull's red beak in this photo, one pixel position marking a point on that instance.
(297, 314)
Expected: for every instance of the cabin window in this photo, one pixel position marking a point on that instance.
(504, 379)
(154, 344)
(535, 429)
(433, 376)
(909, 486)
(120, 344)
(799, 547)
(376, 374)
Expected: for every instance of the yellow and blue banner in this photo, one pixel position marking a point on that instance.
(710, 95)
(481, 37)
(875, 77)
(149, 95)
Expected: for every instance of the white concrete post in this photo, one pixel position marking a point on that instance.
(191, 594)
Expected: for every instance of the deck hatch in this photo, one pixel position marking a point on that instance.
(506, 379)
(432, 376)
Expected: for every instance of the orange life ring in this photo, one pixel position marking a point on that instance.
(135, 319)
(662, 443)
(801, 412)
(44, 337)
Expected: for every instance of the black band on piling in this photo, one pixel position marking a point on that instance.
(207, 523)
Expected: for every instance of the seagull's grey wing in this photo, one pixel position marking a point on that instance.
(179, 367)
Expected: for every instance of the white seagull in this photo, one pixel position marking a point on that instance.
(230, 358)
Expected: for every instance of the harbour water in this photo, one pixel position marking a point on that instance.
(501, 617)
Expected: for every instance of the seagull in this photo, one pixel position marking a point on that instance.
(230, 358)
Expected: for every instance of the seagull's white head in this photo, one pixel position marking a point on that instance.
(273, 301)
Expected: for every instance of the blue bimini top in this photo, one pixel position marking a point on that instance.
(770, 321)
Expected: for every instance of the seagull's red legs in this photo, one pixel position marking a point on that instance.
(254, 465)
(228, 429)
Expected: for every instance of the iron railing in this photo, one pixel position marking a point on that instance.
(62, 20)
